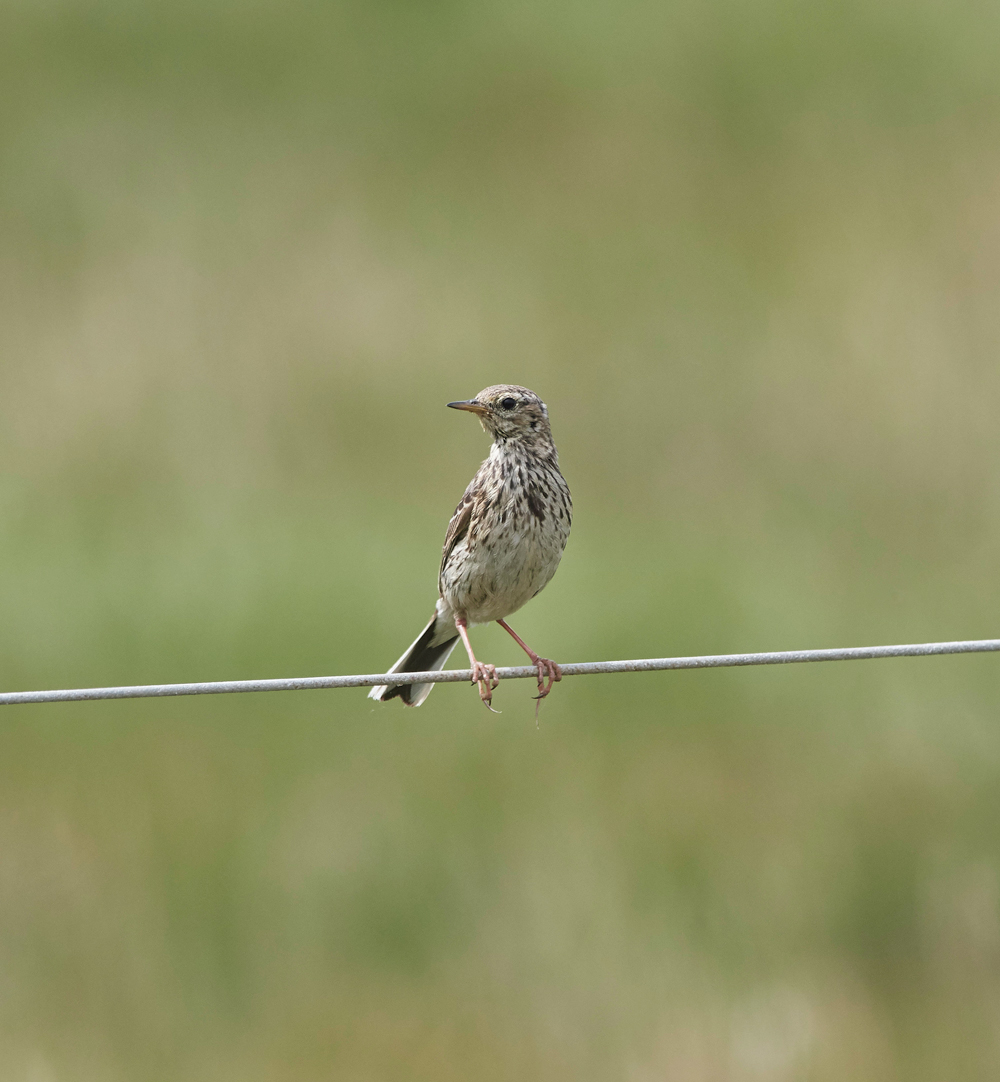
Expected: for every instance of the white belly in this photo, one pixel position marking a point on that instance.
(498, 574)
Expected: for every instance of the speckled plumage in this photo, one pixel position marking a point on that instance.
(504, 541)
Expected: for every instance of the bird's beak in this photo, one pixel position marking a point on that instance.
(471, 405)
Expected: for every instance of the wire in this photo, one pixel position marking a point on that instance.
(521, 672)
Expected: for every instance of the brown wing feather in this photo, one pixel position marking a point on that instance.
(457, 529)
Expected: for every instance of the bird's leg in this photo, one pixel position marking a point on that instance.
(545, 666)
(483, 675)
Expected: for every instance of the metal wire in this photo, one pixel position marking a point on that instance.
(521, 672)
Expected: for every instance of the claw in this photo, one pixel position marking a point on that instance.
(486, 677)
(547, 670)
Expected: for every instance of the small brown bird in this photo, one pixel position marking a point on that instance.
(504, 542)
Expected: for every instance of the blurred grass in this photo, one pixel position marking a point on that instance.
(749, 255)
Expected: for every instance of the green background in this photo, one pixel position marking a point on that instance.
(749, 254)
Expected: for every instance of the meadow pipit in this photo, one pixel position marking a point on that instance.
(504, 542)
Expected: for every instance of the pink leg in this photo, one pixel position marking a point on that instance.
(483, 675)
(545, 666)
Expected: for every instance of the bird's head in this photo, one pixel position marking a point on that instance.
(510, 413)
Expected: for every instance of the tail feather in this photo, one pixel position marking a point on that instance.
(425, 655)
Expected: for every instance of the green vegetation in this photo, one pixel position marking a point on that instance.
(748, 253)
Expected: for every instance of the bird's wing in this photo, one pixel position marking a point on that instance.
(457, 528)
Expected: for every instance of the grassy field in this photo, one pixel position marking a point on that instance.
(749, 253)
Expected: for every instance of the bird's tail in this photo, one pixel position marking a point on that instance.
(425, 655)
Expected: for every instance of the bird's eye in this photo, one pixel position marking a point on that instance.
(508, 403)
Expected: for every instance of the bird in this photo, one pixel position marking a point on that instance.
(502, 547)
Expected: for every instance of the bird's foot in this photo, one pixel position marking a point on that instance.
(486, 677)
(549, 671)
